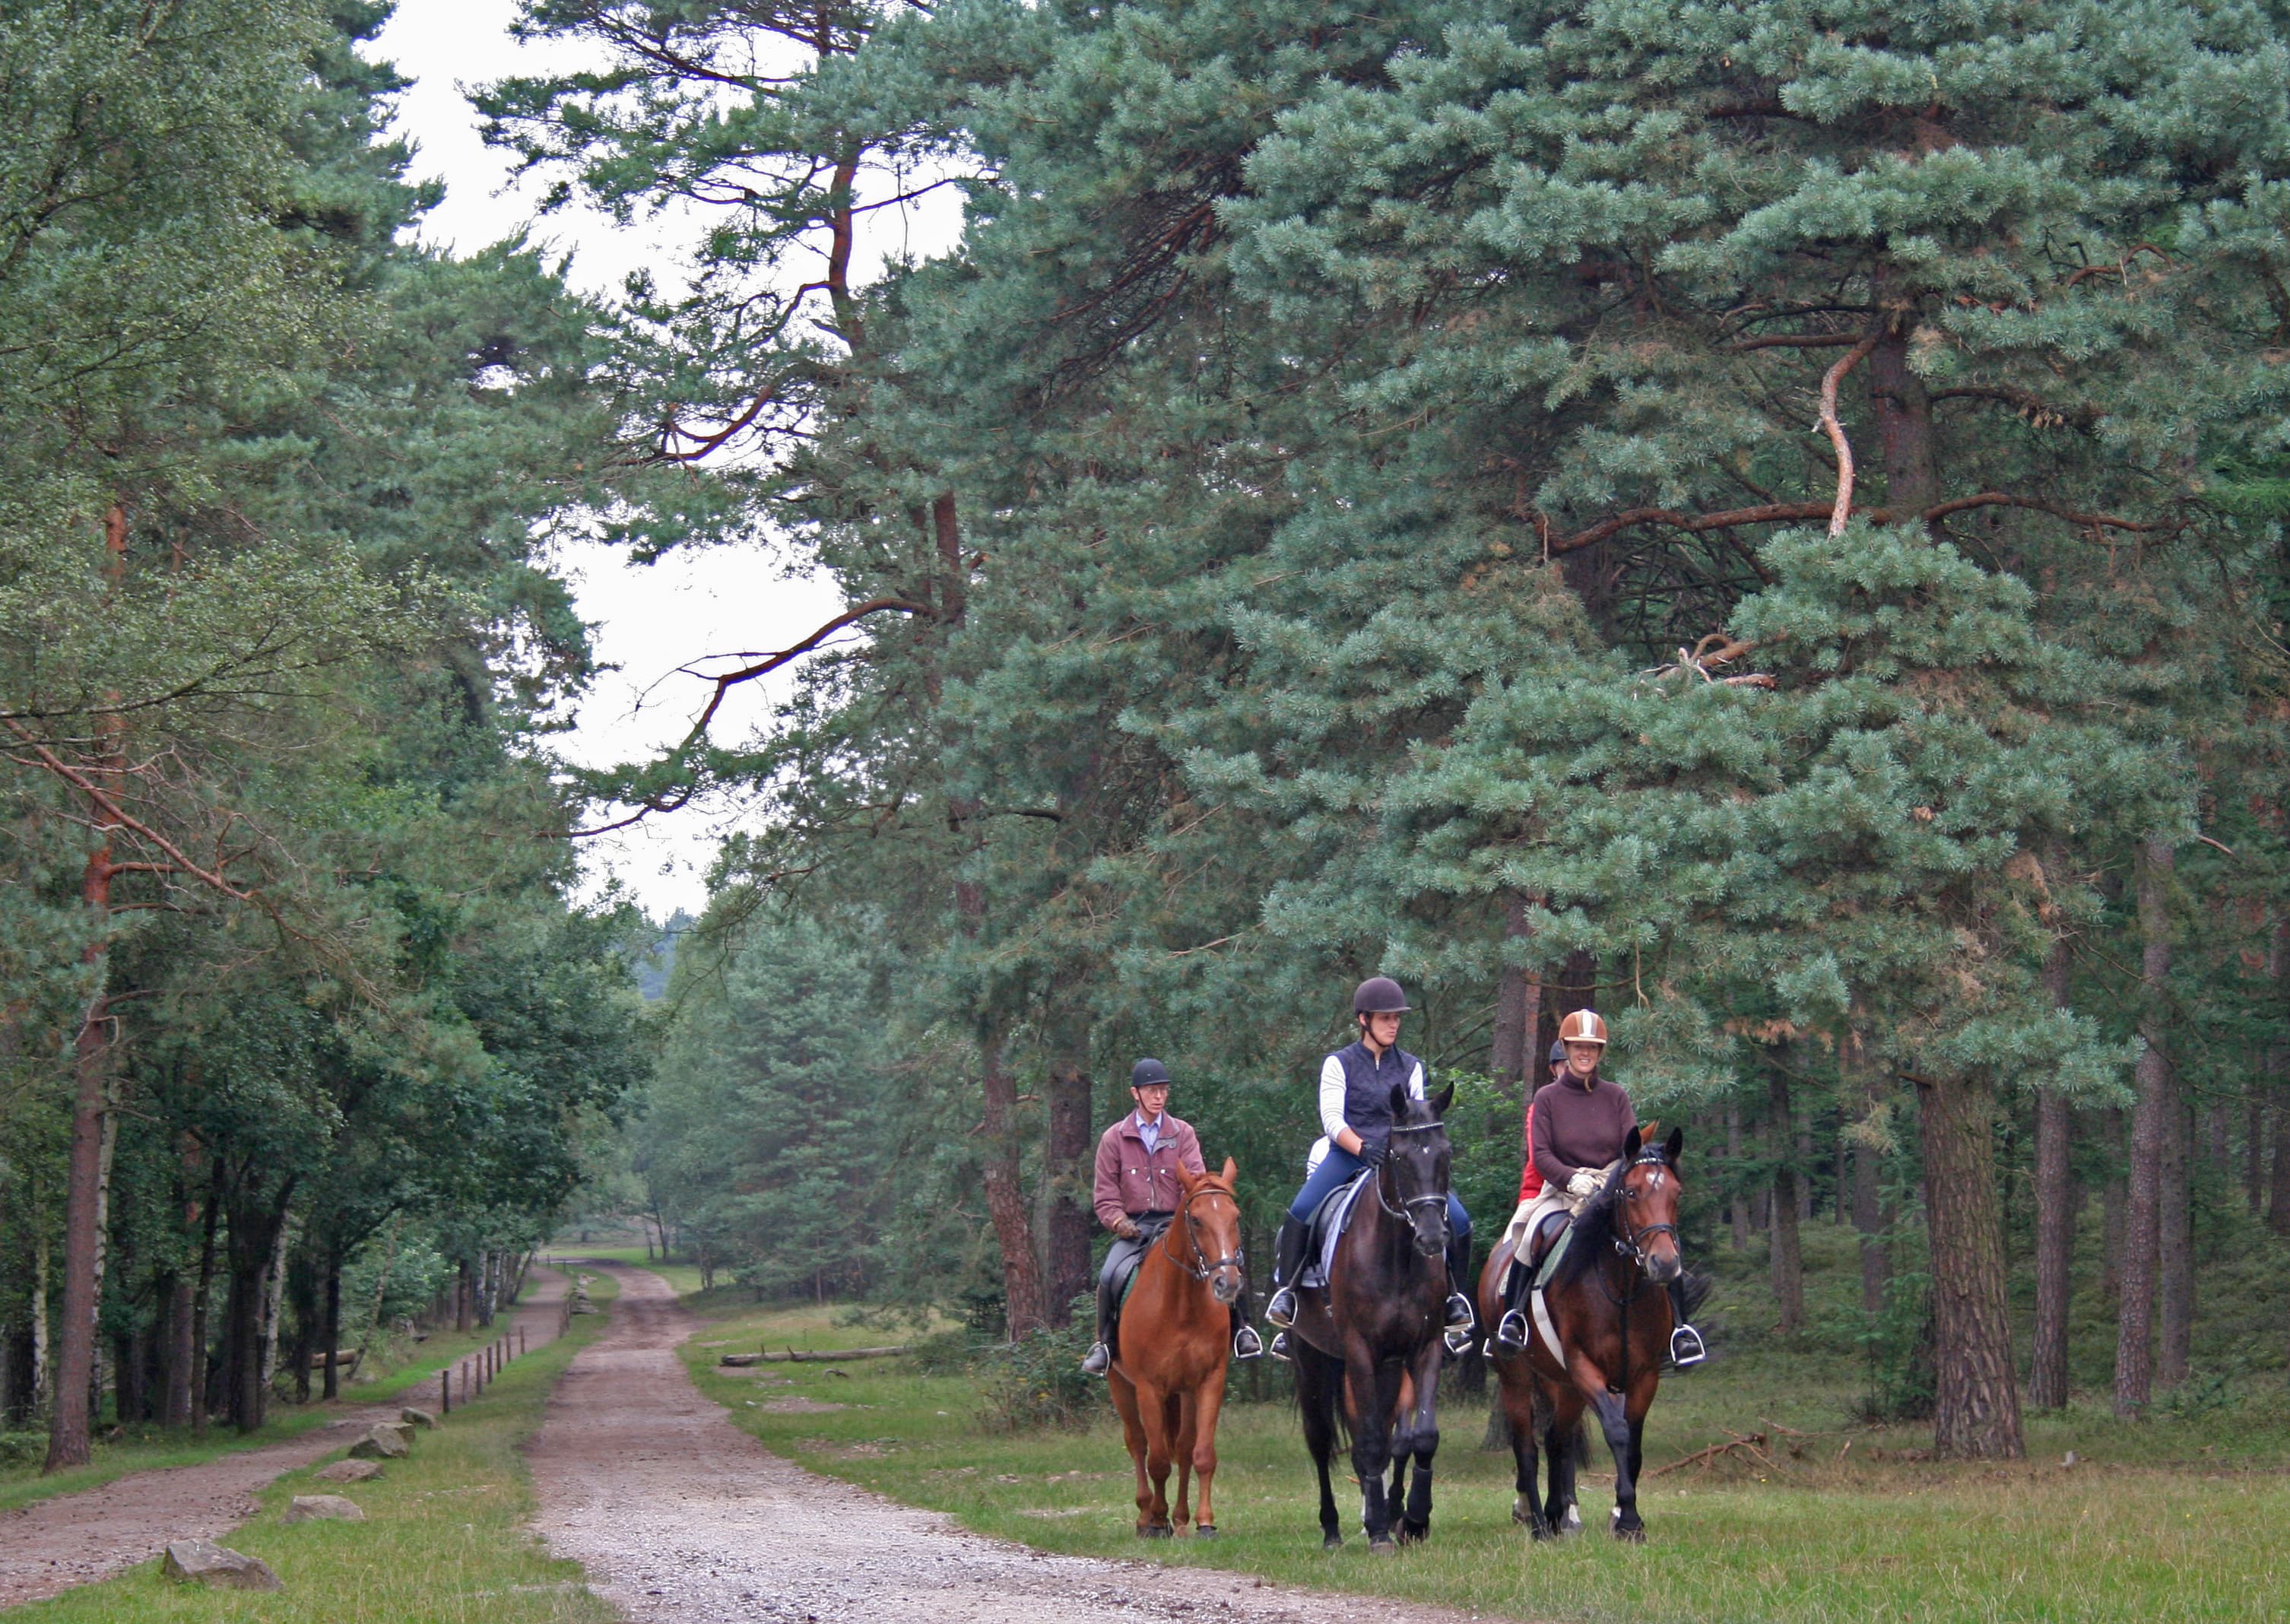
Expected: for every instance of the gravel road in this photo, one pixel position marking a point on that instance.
(55, 1545)
(682, 1518)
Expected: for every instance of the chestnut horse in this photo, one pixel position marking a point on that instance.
(1367, 1344)
(1170, 1353)
(1613, 1317)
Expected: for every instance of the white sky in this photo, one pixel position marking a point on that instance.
(648, 619)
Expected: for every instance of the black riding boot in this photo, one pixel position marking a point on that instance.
(1287, 1263)
(1685, 1346)
(1245, 1343)
(1461, 1315)
(1512, 1332)
(1100, 1358)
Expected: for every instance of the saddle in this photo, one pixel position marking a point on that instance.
(1326, 1227)
(1149, 1231)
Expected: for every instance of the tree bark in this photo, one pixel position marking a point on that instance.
(2048, 1378)
(330, 1331)
(1785, 1257)
(2114, 1196)
(200, 1299)
(1976, 1405)
(2175, 1250)
(2134, 1322)
(1072, 1168)
(75, 1364)
(1737, 1209)
(1518, 998)
(1023, 1308)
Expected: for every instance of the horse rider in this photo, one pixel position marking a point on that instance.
(1579, 1123)
(1137, 1195)
(1355, 1084)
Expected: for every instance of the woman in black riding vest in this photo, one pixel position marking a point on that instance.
(1356, 1084)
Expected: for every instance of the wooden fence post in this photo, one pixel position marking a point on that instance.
(445, 1392)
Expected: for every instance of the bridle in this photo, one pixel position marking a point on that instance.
(1404, 1210)
(1630, 1241)
(1238, 1259)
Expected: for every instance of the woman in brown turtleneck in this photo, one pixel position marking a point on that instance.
(1580, 1124)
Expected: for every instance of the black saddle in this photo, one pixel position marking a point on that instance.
(1545, 1236)
(1324, 1216)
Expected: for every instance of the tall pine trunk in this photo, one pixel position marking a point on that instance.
(1785, 1257)
(1737, 1205)
(2048, 1378)
(1070, 1164)
(1023, 1308)
(2134, 1321)
(1519, 1011)
(84, 1198)
(1976, 1402)
(2175, 1248)
(330, 1331)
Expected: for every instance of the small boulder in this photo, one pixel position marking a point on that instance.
(350, 1471)
(380, 1442)
(417, 1418)
(323, 1508)
(203, 1561)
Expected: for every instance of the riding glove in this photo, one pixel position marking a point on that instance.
(1585, 1183)
(1374, 1152)
(1126, 1228)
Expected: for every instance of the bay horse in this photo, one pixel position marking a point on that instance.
(1171, 1348)
(1368, 1339)
(1609, 1307)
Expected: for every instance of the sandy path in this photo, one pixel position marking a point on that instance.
(682, 1518)
(55, 1545)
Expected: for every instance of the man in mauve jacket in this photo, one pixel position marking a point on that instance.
(1136, 1197)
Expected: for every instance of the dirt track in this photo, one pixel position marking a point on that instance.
(56, 1545)
(682, 1518)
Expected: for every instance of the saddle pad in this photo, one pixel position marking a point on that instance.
(1328, 1226)
(1549, 1267)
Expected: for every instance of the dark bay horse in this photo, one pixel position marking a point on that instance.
(1613, 1317)
(1170, 1354)
(1372, 1332)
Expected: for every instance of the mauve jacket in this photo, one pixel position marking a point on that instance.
(1131, 1180)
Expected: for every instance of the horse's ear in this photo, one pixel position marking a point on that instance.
(1630, 1146)
(1400, 1102)
(1673, 1145)
(1445, 1098)
(1231, 1171)
(1187, 1178)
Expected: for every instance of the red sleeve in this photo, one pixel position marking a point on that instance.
(1530, 1176)
(1109, 1209)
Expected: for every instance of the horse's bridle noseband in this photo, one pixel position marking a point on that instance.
(1630, 1241)
(1238, 1260)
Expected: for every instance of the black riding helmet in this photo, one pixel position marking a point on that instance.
(1378, 995)
(1557, 1052)
(1147, 1074)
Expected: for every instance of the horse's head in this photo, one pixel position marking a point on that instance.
(1418, 1167)
(1646, 1194)
(1209, 1215)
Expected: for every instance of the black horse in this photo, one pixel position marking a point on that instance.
(1369, 1336)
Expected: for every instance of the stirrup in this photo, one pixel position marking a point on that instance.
(1685, 1348)
(1097, 1361)
(1511, 1332)
(1460, 1315)
(1280, 1313)
(1458, 1339)
(1279, 1348)
(1246, 1344)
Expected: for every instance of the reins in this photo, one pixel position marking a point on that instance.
(1405, 1210)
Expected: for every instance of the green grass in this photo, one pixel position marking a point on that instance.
(684, 1276)
(150, 1448)
(2184, 1516)
(444, 1540)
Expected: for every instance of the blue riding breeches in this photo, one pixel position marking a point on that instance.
(1335, 1169)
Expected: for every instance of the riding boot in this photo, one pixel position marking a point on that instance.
(1462, 1316)
(1100, 1358)
(1511, 1333)
(1686, 1349)
(1287, 1263)
(1245, 1343)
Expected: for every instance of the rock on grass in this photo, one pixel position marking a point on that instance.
(203, 1561)
(323, 1508)
(350, 1471)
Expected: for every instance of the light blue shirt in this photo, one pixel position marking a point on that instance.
(1150, 1133)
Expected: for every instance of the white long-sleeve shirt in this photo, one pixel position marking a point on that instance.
(1332, 1105)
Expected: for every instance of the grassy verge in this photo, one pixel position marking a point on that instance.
(444, 1540)
(2183, 1517)
(149, 1448)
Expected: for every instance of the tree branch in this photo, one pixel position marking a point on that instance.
(1843, 509)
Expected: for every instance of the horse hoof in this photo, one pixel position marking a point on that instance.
(1205, 1531)
(1153, 1531)
(1384, 1547)
(1414, 1533)
(1635, 1535)
(1331, 1542)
